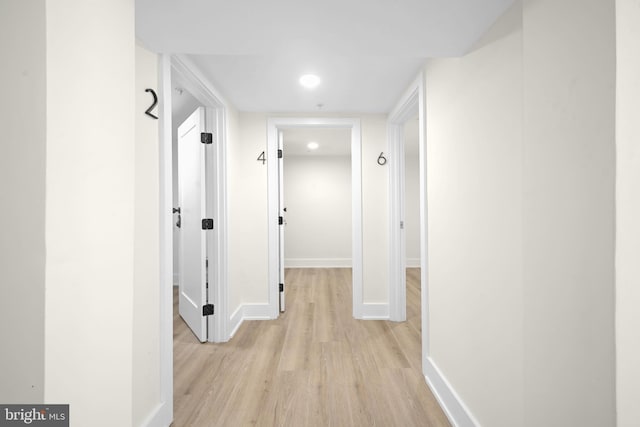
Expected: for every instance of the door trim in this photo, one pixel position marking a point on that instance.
(273, 126)
(163, 414)
(189, 78)
(412, 101)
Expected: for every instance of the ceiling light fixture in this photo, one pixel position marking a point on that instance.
(310, 81)
(313, 146)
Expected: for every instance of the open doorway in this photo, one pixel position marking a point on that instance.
(178, 79)
(315, 195)
(278, 210)
(411, 222)
(405, 132)
(197, 151)
(316, 228)
(317, 198)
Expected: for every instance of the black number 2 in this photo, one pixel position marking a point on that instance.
(153, 105)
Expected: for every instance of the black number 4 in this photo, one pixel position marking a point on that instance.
(262, 158)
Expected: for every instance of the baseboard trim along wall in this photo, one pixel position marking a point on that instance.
(413, 262)
(375, 311)
(317, 263)
(453, 406)
(161, 416)
(256, 311)
(247, 312)
(370, 311)
(235, 321)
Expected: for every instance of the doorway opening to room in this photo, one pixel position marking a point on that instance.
(197, 143)
(315, 217)
(408, 285)
(315, 204)
(411, 222)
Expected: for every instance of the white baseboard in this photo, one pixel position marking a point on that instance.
(248, 312)
(375, 311)
(317, 263)
(256, 312)
(453, 406)
(161, 416)
(413, 263)
(370, 311)
(235, 321)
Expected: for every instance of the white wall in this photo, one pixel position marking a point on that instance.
(235, 290)
(375, 211)
(248, 211)
(569, 83)
(317, 194)
(90, 176)
(146, 313)
(628, 213)
(521, 217)
(22, 177)
(474, 190)
(247, 207)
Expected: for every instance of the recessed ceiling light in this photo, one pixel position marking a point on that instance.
(310, 81)
(312, 146)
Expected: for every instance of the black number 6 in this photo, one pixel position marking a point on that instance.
(382, 160)
(153, 105)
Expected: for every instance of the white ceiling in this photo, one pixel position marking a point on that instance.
(332, 142)
(349, 84)
(365, 51)
(337, 142)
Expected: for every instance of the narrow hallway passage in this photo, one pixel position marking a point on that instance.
(314, 366)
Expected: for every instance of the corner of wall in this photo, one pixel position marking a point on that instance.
(452, 405)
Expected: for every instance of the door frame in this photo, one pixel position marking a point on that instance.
(412, 101)
(165, 410)
(188, 77)
(275, 124)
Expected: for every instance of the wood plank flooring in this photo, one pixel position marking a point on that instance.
(314, 366)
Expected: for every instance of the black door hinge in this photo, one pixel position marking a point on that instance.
(206, 138)
(207, 310)
(279, 154)
(280, 220)
(207, 224)
(281, 287)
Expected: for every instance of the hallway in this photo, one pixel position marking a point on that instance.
(314, 366)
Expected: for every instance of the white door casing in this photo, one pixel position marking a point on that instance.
(274, 126)
(412, 101)
(179, 71)
(282, 218)
(187, 76)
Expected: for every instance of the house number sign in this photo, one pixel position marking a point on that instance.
(149, 110)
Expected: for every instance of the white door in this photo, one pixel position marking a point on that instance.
(282, 214)
(193, 235)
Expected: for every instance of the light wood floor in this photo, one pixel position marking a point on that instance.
(314, 366)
